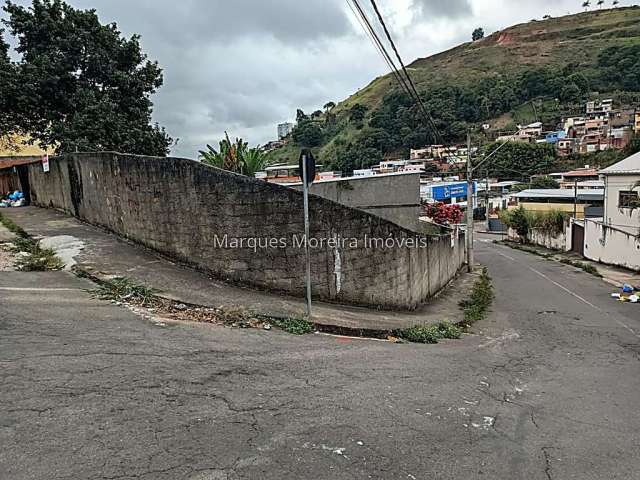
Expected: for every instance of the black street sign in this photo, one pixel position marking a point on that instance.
(307, 157)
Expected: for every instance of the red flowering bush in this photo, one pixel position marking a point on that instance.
(443, 214)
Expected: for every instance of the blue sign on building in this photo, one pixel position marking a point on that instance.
(451, 190)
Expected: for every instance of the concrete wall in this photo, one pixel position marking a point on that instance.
(611, 245)
(547, 207)
(627, 219)
(184, 209)
(394, 197)
(543, 239)
(558, 242)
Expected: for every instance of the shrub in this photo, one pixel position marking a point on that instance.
(516, 219)
(550, 223)
(482, 295)
(296, 326)
(430, 333)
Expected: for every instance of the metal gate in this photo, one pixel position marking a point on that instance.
(577, 239)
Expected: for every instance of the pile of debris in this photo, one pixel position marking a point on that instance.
(15, 199)
(629, 294)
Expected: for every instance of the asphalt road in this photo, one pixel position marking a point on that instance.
(547, 388)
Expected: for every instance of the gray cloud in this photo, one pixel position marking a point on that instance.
(245, 65)
(442, 8)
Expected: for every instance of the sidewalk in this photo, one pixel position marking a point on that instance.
(105, 255)
(615, 276)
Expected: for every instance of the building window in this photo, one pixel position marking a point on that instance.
(629, 199)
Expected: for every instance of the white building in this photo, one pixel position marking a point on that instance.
(285, 129)
(615, 238)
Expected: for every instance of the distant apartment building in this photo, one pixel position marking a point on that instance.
(599, 107)
(285, 129)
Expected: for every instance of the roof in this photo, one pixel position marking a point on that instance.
(583, 172)
(560, 193)
(506, 183)
(628, 166)
(9, 162)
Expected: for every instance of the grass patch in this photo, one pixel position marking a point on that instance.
(587, 267)
(125, 290)
(30, 256)
(13, 227)
(429, 333)
(122, 289)
(477, 306)
(37, 259)
(295, 326)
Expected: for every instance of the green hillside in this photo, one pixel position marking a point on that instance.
(540, 70)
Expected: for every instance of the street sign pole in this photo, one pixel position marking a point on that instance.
(305, 189)
(469, 233)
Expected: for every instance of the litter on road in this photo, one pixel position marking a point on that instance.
(629, 294)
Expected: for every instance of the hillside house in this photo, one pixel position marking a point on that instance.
(636, 127)
(615, 238)
(602, 107)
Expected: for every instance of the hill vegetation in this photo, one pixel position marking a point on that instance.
(538, 71)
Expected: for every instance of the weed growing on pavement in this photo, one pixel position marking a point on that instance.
(13, 227)
(477, 306)
(587, 267)
(429, 333)
(295, 326)
(122, 289)
(30, 256)
(524, 248)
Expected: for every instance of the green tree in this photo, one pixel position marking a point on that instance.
(477, 34)
(329, 106)
(307, 133)
(357, 113)
(81, 85)
(520, 161)
(544, 182)
(518, 219)
(6, 86)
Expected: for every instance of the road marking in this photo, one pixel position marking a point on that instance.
(34, 289)
(595, 307)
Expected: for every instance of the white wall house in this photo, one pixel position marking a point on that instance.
(615, 239)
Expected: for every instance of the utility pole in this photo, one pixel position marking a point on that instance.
(305, 191)
(469, 235)
(575, 199)
(486, 203)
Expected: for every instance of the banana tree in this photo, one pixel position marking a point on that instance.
(235, 157)
(229, 155)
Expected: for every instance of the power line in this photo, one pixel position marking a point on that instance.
(368, 28)
(425, 112)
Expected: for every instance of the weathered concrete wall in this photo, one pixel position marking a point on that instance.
(543, 239)
(557, 242)
(394, 197)
(184, 209)
(611, 245)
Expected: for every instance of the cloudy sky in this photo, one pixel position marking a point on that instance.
(245, 65)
